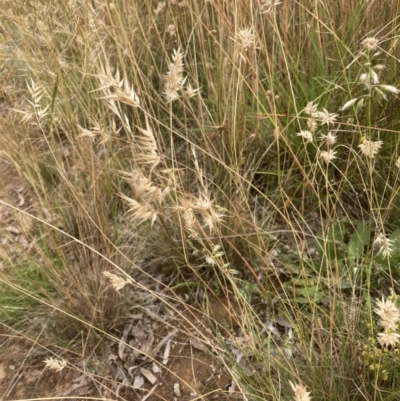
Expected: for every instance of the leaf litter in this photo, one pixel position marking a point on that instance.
(146, 361)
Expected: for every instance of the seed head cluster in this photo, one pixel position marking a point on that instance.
(116, 282)
(370, 148)
(56, 364)
(317, 118)
(383, 245)
(370, 44)
(300, 392)
(389, 315)
(307, 135)
(174, 79)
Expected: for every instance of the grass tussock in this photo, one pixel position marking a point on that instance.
(174, 153)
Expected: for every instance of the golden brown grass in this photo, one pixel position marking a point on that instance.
(184, 133)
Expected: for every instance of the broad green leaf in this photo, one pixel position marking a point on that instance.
(331, 245)
(336, 232)
(313, 293)
(359, 239)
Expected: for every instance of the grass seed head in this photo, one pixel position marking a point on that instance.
(245, 40)
(370, 44)
(245, 43)
(300, 392)
(330, 139)
(268, 6)
(312, 124)
(325, 117)
(328, 155)
(118, 283)
(191, 92)
(388, 339)
(55, 364)
(370, 148)
(389, 314)
(311, 108)
(160, 7)
(174, 80)
(383, 245)
(307, 135)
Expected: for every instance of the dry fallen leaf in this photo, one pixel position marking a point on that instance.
(138, 382)
(270, 327)
(283, 322)
(81, 386)
(21, 200)
(196, 344)
(166, 352)
(177, 391)
(13, 230)
(148, 375)
(123, 341)
(149, 393)
(155, 368)
(147, 344)
(169, 336)
(232, 387)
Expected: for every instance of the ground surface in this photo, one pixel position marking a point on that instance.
(190, 371)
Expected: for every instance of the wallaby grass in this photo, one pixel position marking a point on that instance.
(217, 190)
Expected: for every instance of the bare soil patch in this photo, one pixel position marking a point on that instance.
(23, 374)
(188, 371)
